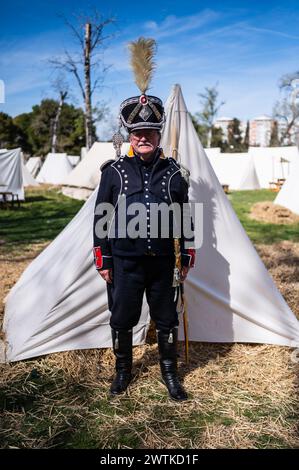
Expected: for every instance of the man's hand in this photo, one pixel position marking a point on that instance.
(106, 274)
(184, 273)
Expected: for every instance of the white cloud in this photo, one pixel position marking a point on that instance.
(173, 25)
(151, 25)
(272, 31)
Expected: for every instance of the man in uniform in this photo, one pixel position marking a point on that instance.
(133, 265)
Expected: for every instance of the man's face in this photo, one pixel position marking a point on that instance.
(145, 141)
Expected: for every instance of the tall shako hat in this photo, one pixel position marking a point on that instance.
(144, 111)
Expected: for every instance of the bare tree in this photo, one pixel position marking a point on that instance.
(286, 111)
(287, 114)
(89, 36)
(61, 87)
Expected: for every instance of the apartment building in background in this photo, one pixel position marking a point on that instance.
(223, 123)
(260, 131)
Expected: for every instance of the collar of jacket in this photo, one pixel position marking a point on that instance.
(148, 164)
(158, 166)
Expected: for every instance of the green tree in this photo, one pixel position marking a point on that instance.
(40, 130)
(10, 133)
(246, 138)
(35, 128)
(23, 122)
(210, 108)
(201, 130)
(71, 130)
(235, 141)
(217, 137)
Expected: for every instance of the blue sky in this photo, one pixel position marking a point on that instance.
(244, 46)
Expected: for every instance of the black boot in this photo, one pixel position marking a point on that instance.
(167, 342)
(122, 348)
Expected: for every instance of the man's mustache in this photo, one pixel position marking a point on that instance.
(145, 143)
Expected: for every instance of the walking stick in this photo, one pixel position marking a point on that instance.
(177, 251)
(185, 321)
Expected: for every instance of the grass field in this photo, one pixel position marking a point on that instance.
(242, 396)
(257, 231)
(41, 217)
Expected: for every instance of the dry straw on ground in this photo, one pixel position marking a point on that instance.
(241, 395)
(272, 213)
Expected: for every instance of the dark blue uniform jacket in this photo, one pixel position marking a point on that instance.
(141, 182)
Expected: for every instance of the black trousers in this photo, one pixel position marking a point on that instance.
(132, 276)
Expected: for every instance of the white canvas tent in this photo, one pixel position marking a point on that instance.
(272, 163)
(254, 169)
(228, 300)
(83, 152)
(288, 196)
(11, 172)
(74, 160)
(86, 176)
(28, 179)
(55, 168)
(33, 165)
(230, 168)
(249, 179)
